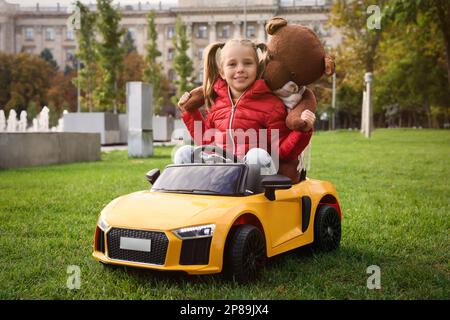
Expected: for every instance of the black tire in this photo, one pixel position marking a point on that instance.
(327, 229)
(245, 254)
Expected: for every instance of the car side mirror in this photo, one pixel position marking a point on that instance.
(152, 175)
(274, 182)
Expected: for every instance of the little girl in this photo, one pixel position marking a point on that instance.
(236, 101)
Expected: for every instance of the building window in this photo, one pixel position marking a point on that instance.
(49, 34)
(170, 54)
(69, 34)
(170, 32)
(202, 32)
(225, 32)
(251, 33)
(29, 33)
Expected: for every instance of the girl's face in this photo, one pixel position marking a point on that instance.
(239, 68)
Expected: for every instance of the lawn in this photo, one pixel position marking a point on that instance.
(394, 190)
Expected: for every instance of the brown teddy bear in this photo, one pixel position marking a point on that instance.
(295, 58)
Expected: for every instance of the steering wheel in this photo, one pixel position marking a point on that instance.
(199, 155)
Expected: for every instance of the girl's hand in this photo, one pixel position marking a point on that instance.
(184, 98)
(309, 118)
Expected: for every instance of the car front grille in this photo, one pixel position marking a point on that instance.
(157, 254)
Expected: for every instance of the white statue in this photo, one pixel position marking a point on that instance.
(12, 121)
(2, 121)
(23, 121)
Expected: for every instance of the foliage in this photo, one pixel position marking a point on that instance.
(110, 55)
(47, 55)
(406, 56)
(27, 79)
(86, 55)
(6, 61)
(153, 70)
(405, 11)
(351, 19)
(182, 64)
(133, 67)
(62, 93)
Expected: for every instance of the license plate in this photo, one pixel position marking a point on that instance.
(143, 245)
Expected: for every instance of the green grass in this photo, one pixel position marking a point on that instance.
(394, 190)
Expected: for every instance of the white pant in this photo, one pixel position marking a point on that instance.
(256, 158)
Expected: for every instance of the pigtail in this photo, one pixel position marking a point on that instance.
(262, 58)
(211, 72)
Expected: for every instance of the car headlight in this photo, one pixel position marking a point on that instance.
(195, 232)
(102, 224)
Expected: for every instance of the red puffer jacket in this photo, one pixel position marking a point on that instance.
(258, 108)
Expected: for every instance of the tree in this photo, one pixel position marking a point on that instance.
(181, 63)
(133, 69)
(62, 93)
(47, 55)
(6, 60)
(30, 79)
(110, 54)
(405, 11)
(412, 73)
(86, 54)
(153, 69)
(351, 18)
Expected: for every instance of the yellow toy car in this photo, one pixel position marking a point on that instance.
(202, 218)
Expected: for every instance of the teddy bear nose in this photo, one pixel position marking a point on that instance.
(293, 75)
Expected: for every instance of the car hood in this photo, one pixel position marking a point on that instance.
(163, 211)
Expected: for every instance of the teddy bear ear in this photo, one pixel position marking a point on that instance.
(275, 24)
(329, 65)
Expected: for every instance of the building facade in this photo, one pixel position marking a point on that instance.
(33, 29)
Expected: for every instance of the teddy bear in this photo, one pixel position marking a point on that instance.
(295, 58)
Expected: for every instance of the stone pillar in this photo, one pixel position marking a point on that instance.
(261, 31)
(237, 29)
(212, 31)
(39, 37)
(139, 110)
(367, 115)
(59, 51)
(189, 29)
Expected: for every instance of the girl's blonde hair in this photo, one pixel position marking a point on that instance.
(212, 64)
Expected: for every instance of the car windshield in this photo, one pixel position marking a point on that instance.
(217, 179)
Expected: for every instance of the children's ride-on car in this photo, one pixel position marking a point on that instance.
(202, 218)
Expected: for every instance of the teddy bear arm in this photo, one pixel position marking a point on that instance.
(308, 102)
(197, 100)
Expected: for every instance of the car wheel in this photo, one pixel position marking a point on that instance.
(245, 254)
(327, 229)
